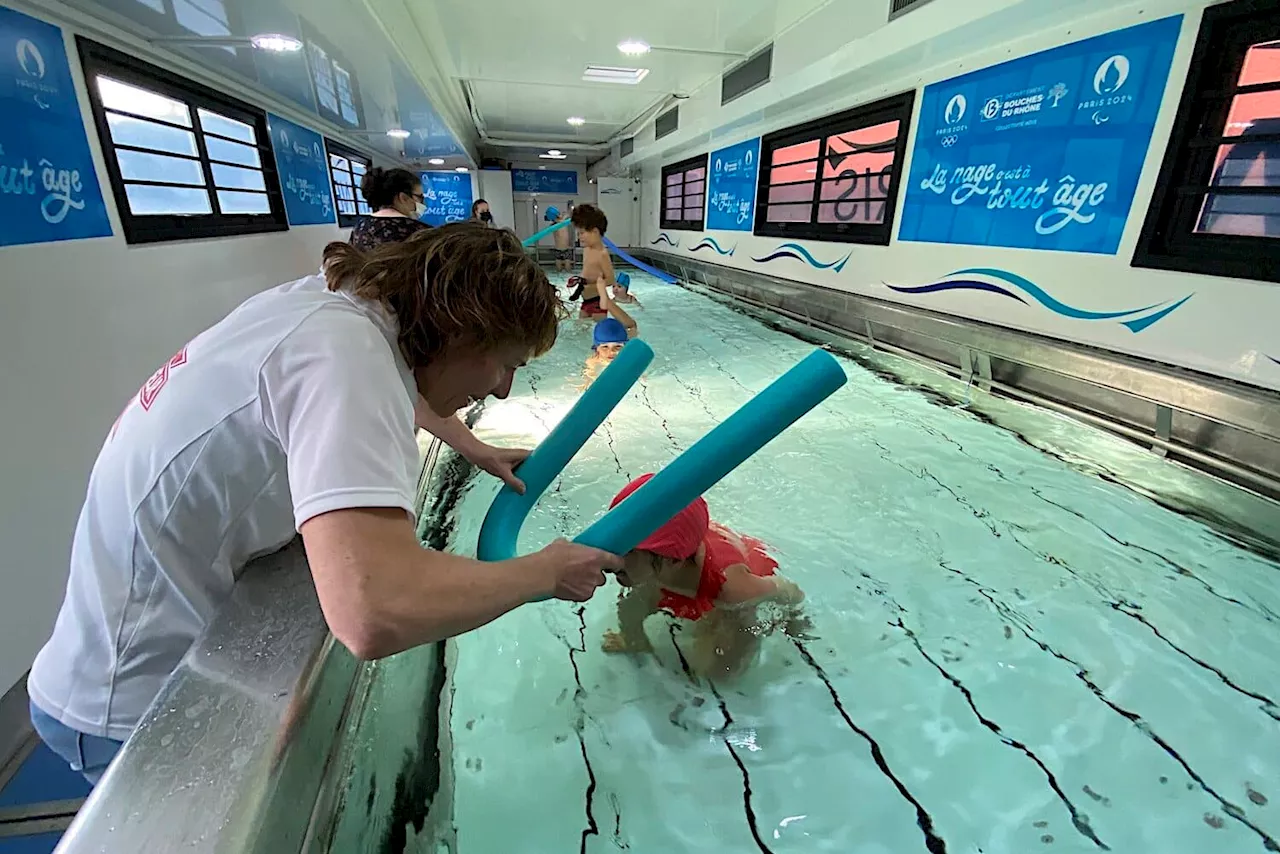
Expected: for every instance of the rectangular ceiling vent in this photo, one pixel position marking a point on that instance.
(898, 8)
(612, 74)
(667, 122)
(627, 147)
(751, 74)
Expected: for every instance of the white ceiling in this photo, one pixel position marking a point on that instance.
(523, 61)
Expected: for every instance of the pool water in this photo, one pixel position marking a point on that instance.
(1011, 654)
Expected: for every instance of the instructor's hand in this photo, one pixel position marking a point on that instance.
(574, 572)
(501, 463)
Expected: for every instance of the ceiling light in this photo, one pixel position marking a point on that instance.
(553, 156)
(542, 167)
(276, 43)
(462, 169)
(576, 121)
(554, 152)
(633, 47)
(436, 161)
(612, 74)
(398, 133)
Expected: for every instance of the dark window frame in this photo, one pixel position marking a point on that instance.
(682, 167)
(347, 220)
(1169, 240)
(98, 59)
(896, 108)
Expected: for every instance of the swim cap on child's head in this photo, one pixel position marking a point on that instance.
(679, 538)
(552, 214)
(608, 331)
(623, 279)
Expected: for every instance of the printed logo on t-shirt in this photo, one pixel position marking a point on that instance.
(152, 387)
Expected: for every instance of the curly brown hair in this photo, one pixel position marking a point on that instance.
(459, 283)
(588, 217)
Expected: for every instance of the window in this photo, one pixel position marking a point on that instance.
(347, 168)
(684, 189)
(837, 178)
(1216, 208)
(184, 161)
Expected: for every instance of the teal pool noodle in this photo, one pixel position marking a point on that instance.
(652, 271)
(721, 451)
(555, 226)
(501, 526)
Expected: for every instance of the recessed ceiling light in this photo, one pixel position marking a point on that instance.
(553, 156)
(398, 133)
(576, 121)
(462, 169)
(612, 74)
(436, 161)
(542, 167)
(276, 43)
(633, 47)
(554, 152)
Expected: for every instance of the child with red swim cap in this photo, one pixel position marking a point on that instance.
(698, 570)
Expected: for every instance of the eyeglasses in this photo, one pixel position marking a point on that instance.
(419, 196)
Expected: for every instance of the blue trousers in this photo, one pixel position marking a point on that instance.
(88, 754)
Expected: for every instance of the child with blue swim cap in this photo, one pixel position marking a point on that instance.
(622, 289)
(608, 337)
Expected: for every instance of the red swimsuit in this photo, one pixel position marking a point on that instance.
(722, 552)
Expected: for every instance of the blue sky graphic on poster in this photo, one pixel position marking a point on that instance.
(447, 195)
(48, 187)
(304, 172)
(1042, 152)
(731, 194)
(561, 181)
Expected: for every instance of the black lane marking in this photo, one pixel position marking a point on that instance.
(592, 828)
(1142, 726)
(1268, 704)
(932, 841)
(752, 822)
(1078, 819)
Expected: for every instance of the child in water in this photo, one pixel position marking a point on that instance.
(607, 340)
(698, 570)
(622, 289)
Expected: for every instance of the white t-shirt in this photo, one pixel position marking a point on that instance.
(296, 404)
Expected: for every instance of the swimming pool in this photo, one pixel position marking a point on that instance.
(1012, 653)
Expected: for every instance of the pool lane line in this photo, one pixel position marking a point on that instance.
(1141, 725)
(1268, 705)
(752, 821)
(1078, 819)
(932, 841)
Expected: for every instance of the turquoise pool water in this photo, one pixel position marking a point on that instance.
(1012, 654)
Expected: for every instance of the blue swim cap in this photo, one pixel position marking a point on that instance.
(609, 331)
(552, 214)
(623, 279)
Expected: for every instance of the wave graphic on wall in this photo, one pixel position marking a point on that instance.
(1016, 287)
(665, 238)
(799, 253)
(710, 243)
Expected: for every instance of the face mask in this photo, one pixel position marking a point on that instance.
(485, 216)
(419, 210)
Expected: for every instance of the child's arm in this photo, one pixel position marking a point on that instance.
(634, 607)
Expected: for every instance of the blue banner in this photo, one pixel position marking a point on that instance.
(448, 197)
(304, 172)
(544, 181)
(731, 193)
(48, 187)
(1042, 152)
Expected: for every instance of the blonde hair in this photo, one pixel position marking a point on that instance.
(462, 282)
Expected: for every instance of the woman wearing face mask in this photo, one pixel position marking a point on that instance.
(395, 196)
(480, 211)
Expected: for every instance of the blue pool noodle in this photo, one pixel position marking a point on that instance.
(555, 226)
(695, 471)
(502, 524)
(652, 271)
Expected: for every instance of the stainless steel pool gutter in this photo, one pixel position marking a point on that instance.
(1228, 429)
(243, 749)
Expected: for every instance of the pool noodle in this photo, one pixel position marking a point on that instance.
(555, 226)
(652, 271)
(507, 513)
(695, 471)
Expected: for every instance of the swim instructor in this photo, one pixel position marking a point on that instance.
(295, 413)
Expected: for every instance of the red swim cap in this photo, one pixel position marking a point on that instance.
(679, 538)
